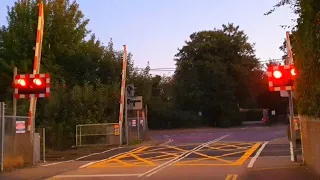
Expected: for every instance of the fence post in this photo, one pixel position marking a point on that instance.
(138, 123)
(44, 144)
(80, 135)
(2, 109)
(76, 135)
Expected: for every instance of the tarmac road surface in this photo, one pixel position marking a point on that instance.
(219, 154)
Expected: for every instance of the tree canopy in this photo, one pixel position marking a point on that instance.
(306, 48)
(217, 73)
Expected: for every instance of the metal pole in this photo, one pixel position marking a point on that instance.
(76, 135)
(2, 133)
(126, 116)
(146, 112)
(138, 123)
(80, 136)
(14, 108)
(44, 144)
(293, 132)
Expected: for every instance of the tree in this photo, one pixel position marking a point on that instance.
(85, 74)
(213, 71)
(306, 45)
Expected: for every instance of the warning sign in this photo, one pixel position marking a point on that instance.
(116, 129)
(20, 127)
(134, 123)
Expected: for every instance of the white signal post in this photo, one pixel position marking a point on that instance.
(292, 130)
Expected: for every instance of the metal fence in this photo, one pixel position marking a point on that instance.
(97, 134)
(13, 146)
(109, 133)
(16, 147)
(137, 130)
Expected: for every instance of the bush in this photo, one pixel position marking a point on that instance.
(305, 42)
(171, 119)
(253, 115)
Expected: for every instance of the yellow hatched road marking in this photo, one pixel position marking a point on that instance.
(248, 154)
(161, 154)
(232, 177)
(179, 149)
(240, 161)
(143, 160)
(157, 149)
(117, 159)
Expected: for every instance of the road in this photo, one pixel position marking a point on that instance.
(221, 154)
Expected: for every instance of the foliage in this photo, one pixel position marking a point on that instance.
(85, 74)
(216, 73)
(306, 47)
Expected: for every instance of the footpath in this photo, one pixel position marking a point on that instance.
(279, 167)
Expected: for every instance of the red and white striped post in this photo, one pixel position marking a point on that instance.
(123, 88)
(36, 68)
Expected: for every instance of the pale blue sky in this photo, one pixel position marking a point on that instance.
(154, 29)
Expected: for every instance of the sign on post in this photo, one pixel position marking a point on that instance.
(135, 103)
(130, 90)
(134, 123)
(116, 129)
(20, 127)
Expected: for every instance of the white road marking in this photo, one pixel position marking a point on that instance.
(94, 162)
(253, 160)
(291, 151)
(51, 164)
(183, 155)
(166, 142)
(95, 175)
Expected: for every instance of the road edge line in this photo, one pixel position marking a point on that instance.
(255, 157)
(94, 162)
(166, 142)
(291, 151)
(55, 163)
(183, 155)
(95, 175)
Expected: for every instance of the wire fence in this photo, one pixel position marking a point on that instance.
(17, 145)
(137, 130)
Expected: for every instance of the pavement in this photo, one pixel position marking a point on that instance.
(249, 152)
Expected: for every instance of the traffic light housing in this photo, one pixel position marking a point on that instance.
(281, 78)
(31, 85)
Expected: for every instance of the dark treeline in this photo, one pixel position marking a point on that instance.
(217, 72)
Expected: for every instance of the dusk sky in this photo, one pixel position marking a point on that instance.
(153, 29)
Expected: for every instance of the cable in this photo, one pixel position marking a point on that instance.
(173, 69)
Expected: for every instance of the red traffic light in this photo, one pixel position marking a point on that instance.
(281, 77)
(37, 81)
(32, 85)
(22, 82)
(277, 74)
(293, 72)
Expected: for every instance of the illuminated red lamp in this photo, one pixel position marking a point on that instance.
(22, 82)
(277, 74)
(37, 82)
